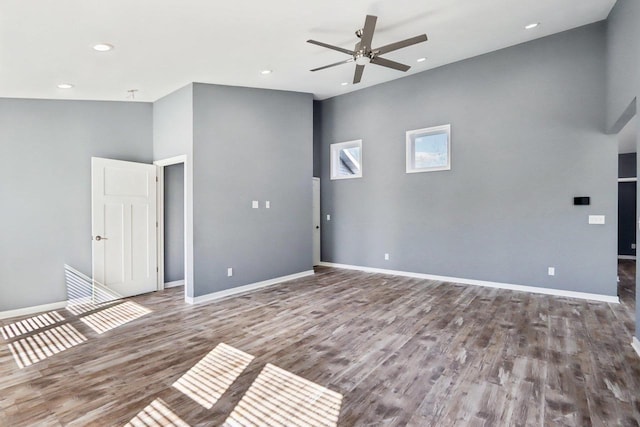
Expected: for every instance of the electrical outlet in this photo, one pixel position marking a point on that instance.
(229, 272)
(552, 271)
(255, 204)
(386, 257)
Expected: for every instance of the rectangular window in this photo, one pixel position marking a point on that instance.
(346, 160)
(429, 149)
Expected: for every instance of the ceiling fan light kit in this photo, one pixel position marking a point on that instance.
(363, 54)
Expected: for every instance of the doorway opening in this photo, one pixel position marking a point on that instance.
(627, 216)
(172, 224)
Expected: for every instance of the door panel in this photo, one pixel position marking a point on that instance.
(124, 182)
(124, 218)
(140, 267)
(113, 249)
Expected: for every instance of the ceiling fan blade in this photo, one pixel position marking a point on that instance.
(358, 75)
(367, 32)
(328, 46)
(399, 45)
(389, 64)
(333, 65)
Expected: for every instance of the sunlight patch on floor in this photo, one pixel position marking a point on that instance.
(37, 347)
(280, 398)
(207, 381)
(31, 324)
(81, 306)
(156, 414)
(114, 316)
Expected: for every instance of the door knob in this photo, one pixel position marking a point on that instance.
(98, 238)
(317, 226)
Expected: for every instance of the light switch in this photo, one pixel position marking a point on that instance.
(551, 271)
(255, 204)
(328, 217)
(229, 272)
(596, 219)
(267, 204)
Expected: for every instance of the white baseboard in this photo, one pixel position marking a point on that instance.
(633, 257)
(173, 284)
(635, 343)
(32, 310)
(499, 285)
(246, 288)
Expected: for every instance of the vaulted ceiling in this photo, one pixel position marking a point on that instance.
(161, 45)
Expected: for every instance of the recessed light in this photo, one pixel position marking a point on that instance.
(531, 26)
(65, 86)
(264, 72)
(344, 83)
(421, 59)
(103, 47)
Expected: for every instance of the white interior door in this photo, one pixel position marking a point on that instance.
(316, 221)
(123, 215)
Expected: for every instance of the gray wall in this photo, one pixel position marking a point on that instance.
(623, 59)
(527, 136)
(317, 138)
(45, 183)
(173, 124)
(174, 223)
(250, 144)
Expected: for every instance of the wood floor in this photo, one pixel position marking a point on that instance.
(627, 285)
(338, 348)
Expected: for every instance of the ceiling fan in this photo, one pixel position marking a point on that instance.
(363, 54)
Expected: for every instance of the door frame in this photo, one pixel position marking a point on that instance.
(188, 223)
(315, 180)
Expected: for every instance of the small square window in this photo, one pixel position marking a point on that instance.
(346, 160)
(429, 149)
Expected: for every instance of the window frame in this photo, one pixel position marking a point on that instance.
(411, 137)
(334, 153)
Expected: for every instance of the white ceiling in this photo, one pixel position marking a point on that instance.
(162, 45)
(627, 138)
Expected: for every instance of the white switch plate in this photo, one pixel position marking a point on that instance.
(229, 272)
(267, 204)
(552, 271)
(386, 257)
(255, 204)
(596, 219)
(328, 217)
(633, 246)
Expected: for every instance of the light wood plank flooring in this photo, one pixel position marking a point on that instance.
(340, 347)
